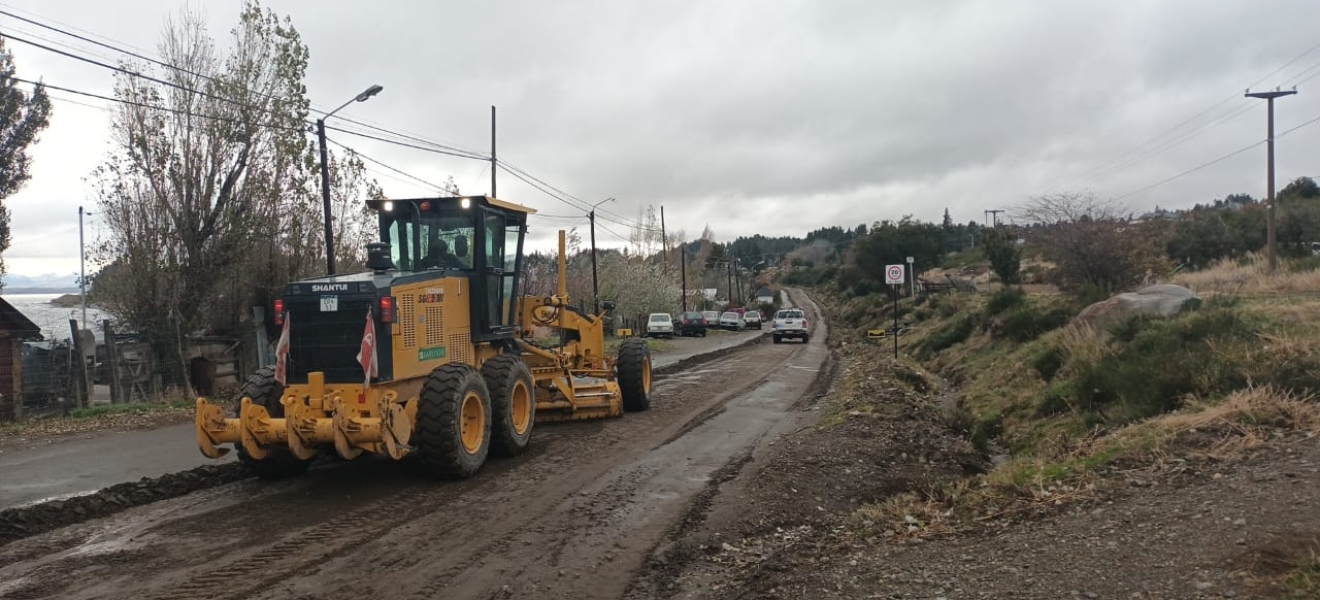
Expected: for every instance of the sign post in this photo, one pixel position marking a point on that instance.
(894, 277)
(912, 282)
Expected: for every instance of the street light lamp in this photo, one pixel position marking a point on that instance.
(595, 287)
(325, 175)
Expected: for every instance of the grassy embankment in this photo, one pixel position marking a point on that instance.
(1064, 408)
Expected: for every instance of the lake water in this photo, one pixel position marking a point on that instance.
(53, 320)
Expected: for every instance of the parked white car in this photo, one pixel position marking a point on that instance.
(712, 317)
(660, 325)
(752, 319)
(732, 321)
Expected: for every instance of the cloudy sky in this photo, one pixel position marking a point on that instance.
(749, 116)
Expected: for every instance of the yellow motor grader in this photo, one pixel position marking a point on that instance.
(430, 353)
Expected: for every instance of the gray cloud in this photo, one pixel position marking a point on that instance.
(778, 118)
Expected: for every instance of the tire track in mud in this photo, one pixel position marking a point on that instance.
(602, 513)
(582, 508)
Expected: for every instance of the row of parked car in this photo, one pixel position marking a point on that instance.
(694, 323)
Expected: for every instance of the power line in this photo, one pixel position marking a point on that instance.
(1178, 141)
(584, 205)
(148, 105)
(1191, 170)
(167, 65)
(1105, 168)
(1217, 160)
(394, 169)
(429, 145)
(132, 73)
(406, 144)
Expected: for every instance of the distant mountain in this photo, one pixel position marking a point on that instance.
(48, 283)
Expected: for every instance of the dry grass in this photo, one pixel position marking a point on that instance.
(1068, 470)
(1288, 567)
(1249, 277)
(1245, 420)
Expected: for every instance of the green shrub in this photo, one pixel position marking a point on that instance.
(1089, 294)
(985, 430)
(1055, 400)
(1029, 322)
(1048, 362)
(866, 287)
(1004, 299)
(1164, 362)
(954, 332)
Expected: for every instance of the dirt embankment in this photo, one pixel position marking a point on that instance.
(880, 495)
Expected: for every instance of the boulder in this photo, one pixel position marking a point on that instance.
(1161, 301)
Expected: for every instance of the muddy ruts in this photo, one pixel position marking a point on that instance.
(26, 521)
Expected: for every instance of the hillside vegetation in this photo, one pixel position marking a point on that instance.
(1065, 411)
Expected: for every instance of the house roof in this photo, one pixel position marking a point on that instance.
(16, 323)
(764, 291)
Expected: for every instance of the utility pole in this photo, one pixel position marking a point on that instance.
(1271, 235)
(82, 268)
(737, 276)
(682, 271)
(595, 285)
(664, 240)
(494, 164)
(993, 215)
(729, 292)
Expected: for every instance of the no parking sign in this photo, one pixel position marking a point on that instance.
(894, 274)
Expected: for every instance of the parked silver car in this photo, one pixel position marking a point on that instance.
(732, 321)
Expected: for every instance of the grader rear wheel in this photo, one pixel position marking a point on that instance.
(512, 404)
(264, 391)
(634, 370)
(453, 422)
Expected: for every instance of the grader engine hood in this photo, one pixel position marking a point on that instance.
(327, 321)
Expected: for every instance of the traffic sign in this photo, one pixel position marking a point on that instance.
(894, 274)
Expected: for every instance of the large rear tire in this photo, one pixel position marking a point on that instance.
(453, 422)
(264, 391)
(512, 404)
(634, 370)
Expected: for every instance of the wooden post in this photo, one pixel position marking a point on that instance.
(82, 392)
(112, 357)
(17, 349)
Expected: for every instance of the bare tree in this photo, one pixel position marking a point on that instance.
(206, 192)
(1096, 248)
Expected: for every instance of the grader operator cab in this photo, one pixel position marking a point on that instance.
(428, 353)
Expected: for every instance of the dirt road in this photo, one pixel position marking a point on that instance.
(575, 518)
(73, 465)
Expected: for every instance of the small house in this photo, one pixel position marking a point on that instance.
(765, 295)
(15, 328)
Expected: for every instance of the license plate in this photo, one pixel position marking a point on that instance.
(329, 303)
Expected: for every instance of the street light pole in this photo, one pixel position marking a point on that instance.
(595, 286)
(1271, 235)
(325, 175)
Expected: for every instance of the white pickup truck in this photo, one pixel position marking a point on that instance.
(791, 323)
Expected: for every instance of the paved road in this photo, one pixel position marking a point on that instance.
(82, 465)
(575, 518)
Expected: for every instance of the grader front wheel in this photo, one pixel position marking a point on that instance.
(634, 368)
(512, 404)
(279, 463)
(453, 422)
